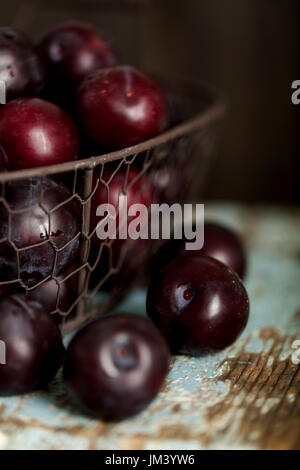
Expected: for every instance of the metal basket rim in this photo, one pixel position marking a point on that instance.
(214, 111)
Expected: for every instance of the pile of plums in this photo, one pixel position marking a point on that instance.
(70, 85)
(116, 365)
(64, 96)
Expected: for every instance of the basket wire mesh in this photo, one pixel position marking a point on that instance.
(177, 161)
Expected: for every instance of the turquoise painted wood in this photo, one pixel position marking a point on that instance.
(199, 407)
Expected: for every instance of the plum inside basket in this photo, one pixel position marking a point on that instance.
(49, 246)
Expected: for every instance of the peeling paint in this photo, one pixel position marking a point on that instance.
(247, 397)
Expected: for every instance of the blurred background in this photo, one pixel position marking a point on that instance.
(247, 48)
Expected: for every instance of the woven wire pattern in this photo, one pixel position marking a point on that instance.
(87, 277)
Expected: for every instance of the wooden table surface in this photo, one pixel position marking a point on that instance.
(247, 397)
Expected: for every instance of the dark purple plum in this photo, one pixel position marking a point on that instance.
(220, 243)
(139, 190)
(55, 296)
(33, 346)
(199, 304)
(35, 133)
(74, 49)
(20, 66)
(163, 180)
(131, 257)
(116, 366)
(226, 246)
(46, 228)
(121, 106)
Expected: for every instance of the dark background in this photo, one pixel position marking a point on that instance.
(248, 48)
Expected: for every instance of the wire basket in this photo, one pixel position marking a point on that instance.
(79, 277)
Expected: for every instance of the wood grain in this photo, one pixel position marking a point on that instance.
(264, 395)
(247, 397)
